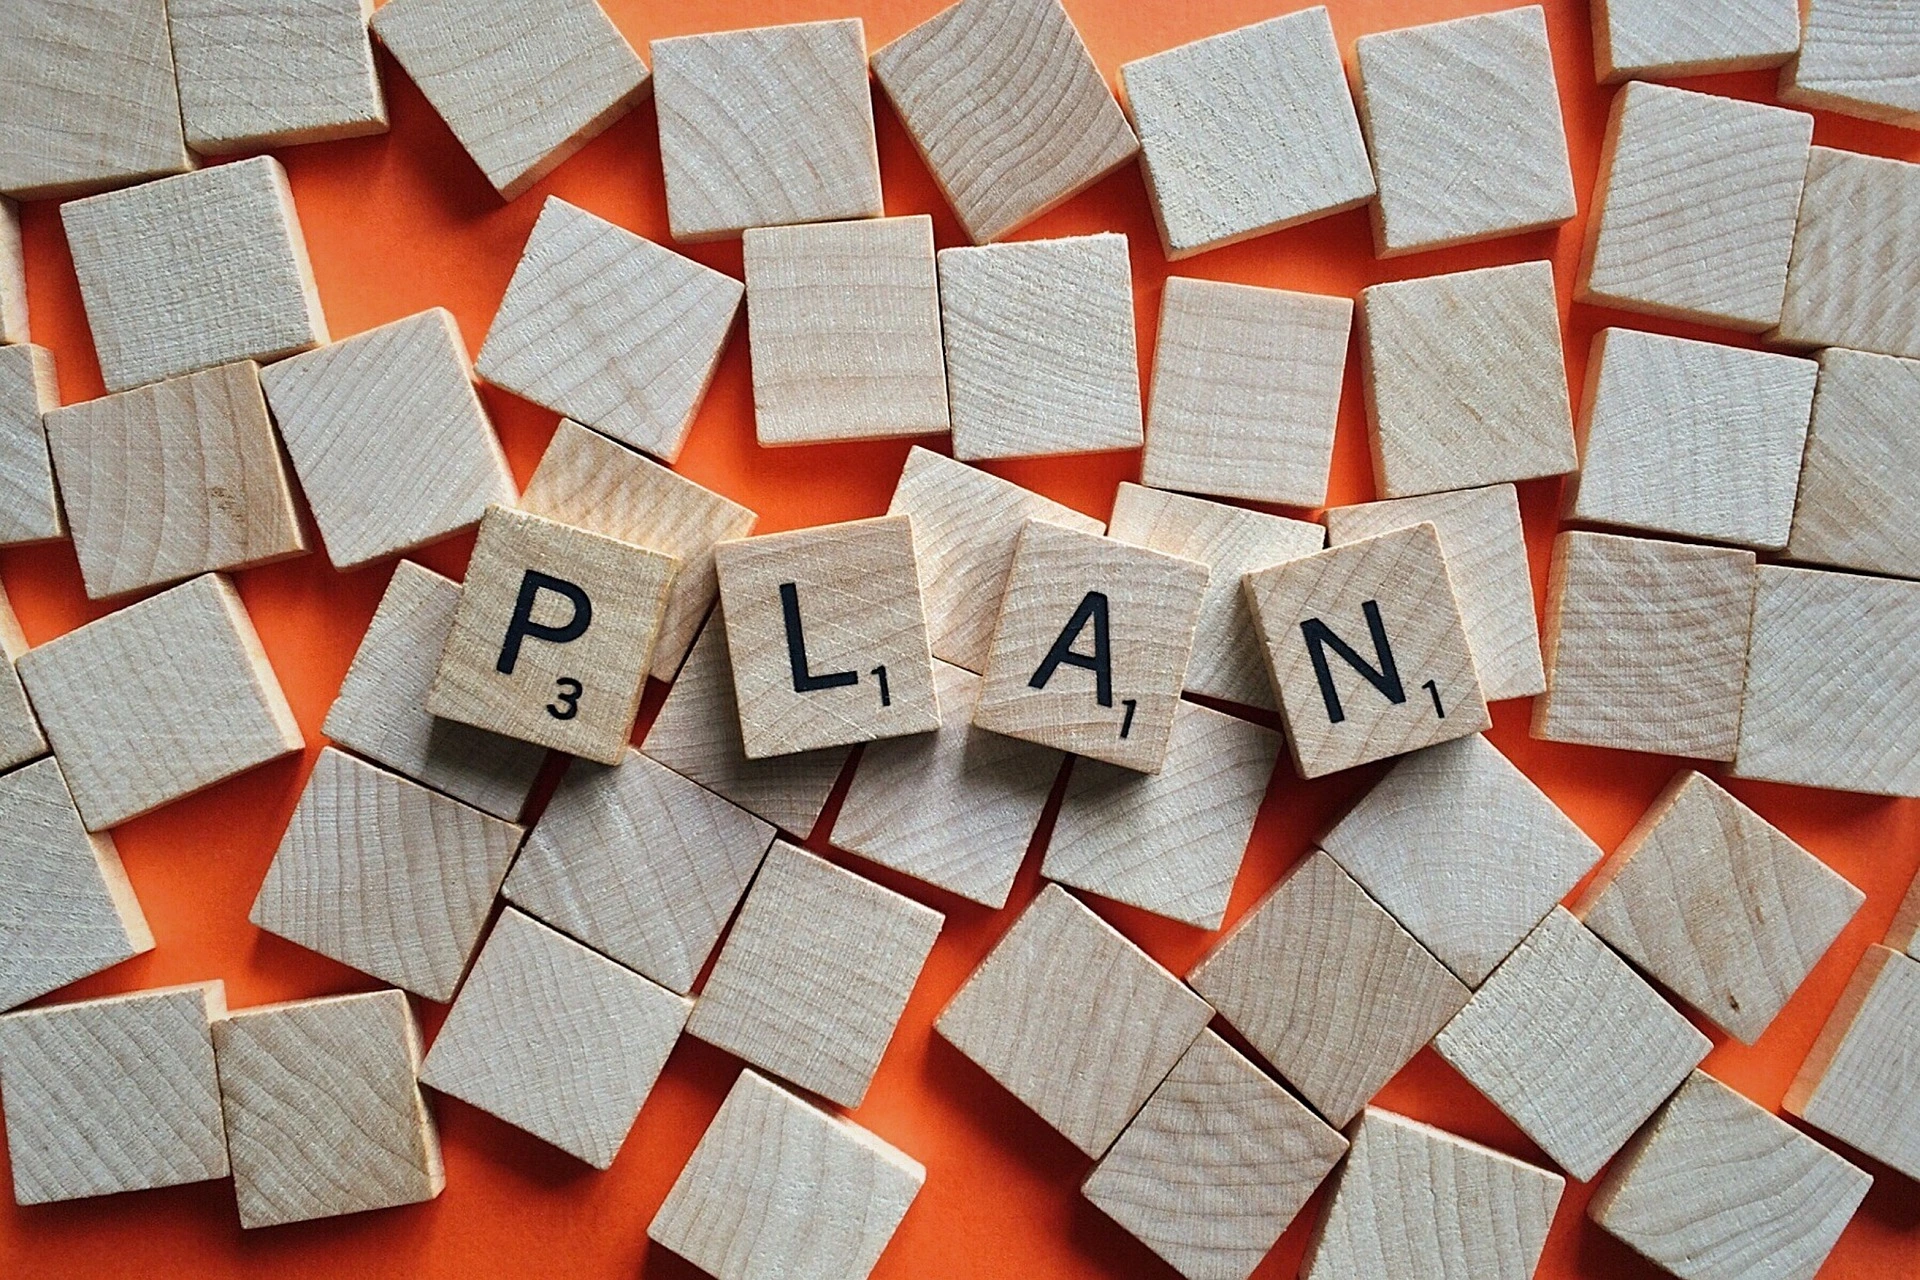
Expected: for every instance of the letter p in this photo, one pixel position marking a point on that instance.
(523, 627)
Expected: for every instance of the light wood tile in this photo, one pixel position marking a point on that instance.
(1859, 498)
(1855, 276)
(21, 738)
(1858, 1083)
(14, 325)
(1904, 932)
(1652, 38)
(271, 73)
(1856, 58)
(29, 501)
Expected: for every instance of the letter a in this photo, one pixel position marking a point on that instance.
(1100, 661)
(1320, 638)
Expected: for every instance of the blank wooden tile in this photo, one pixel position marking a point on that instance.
(1855, 276)
(159, 700)
(111, 1095)
(21, 738)
(1651, 38)
(324, 1115)
(1904, 932)
(555, 1039)
(1215, 1166)
(388, 438)
(1646, 645)
(778, 1187)
(815, 973)
(522, 88)
(1040, 347)
(1858, 1082)
(271, 73)
(1856, 58)
(1247, 132)
(29, 502)
(1073, 1019)
(1007, 108)
(610, 329)
(14, 325)
(1859, 497)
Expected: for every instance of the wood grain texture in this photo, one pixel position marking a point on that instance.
(1215, 1166)
(555, 1039)
(29, 500)
(1904, 932)
(1649, 38)
(1856, 57)
(1859, 498)
(610, 329)
(1007, 108)
(14, 326)
(1858, 1082)
(21, 738)
(1855, 276)
(111, 1095)
(1073, 1019)
(272, 73)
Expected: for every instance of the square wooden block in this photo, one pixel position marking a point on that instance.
(1006, 106)
(1651, 38)
(815, 974)
(1858, 1083)
(1247, 132)
(1040, 347)
(159, 700)
(256, 74)
(778, 1187)
(14, 325)
(1073, 1019)
(1466, 382)
(323, 1108)
(1904, 932)
(1646, 645)
(555, 1039)
(1859, 498)
(29, 501)
(553, 636)
(1856, 58)
(113, 1095)
(844, 321)
(1215, 1166)
(1855, 276)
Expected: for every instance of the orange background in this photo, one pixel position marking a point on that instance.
(404, 221)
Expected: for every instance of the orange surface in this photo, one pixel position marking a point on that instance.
(404, 222)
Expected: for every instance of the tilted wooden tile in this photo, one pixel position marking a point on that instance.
(1904, 932)
(1073, 1019)
(118, 1094)
(271, 73)
(1215, 1166)
(21, 738)
(1651, 38)
(1856, 58)
(555, 1039)
(29, 502)
(1858, 1082)
(1007, 108)
(1859, 497)
(1855, 276)
(14, 326)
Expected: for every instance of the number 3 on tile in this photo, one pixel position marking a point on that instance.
(566, 699)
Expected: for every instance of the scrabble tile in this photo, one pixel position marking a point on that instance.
(547, 673)
(1349, 698)
(1570, 1045)
(1856, 58)
(844, 320)
(1716, 1188)
(1040, 347)
(1416, 1200)
(271, 73)
(1168, 842)
(1073, 1020)
(522, 88)
(1855, 275)
(110, 1095)
(1231, 542)
(1463, 122)
(1858, 1083)
(640, 864)
(1215, 1166)
(385, 876)
(1247, 132)
(324, 1114)
(173, 479)
(1007, 108)
(814, 974)
(778, 1187)
(956, 808)
(765, 127)
(1694, 208)
(21, 739)
(1646, 645)
(1859, 496)
(29, 502)
(555, 1039)
(195, 271)
(158, 700)
(1904, 932)
(1246, 387)
(610, 329)
(828, 636)
(1090, 650)
(1649, 38)
(13, 277)
(388, 437)
(1466, 383)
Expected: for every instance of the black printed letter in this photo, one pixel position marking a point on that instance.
(1100, 662)
(523, 627)
(805, 681)
(1320, 638)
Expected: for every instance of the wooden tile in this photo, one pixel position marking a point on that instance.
(173, 479)
(1247, 132)
(1855, 276)
(1215, 1166)
(1649, 38)
(610, 329)
(555, 1039)
(1904, 932)
(1694, 208)
(388, 438)
(640, 864)
(324, 1114)
(13, 277)
(110, 1095)
(566, 673)
(522, 88)
(1040, 347)
(159, 700)
(1073, 1019)
(29, 502)
(194, 271)
(844, 319)
(1856, 58)
(1646, 645)
(21, 738)
(1859, 497)
(1007, 108)
(271, 73)
(778, 1187)
(1466, 384)
(1858, 1083)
